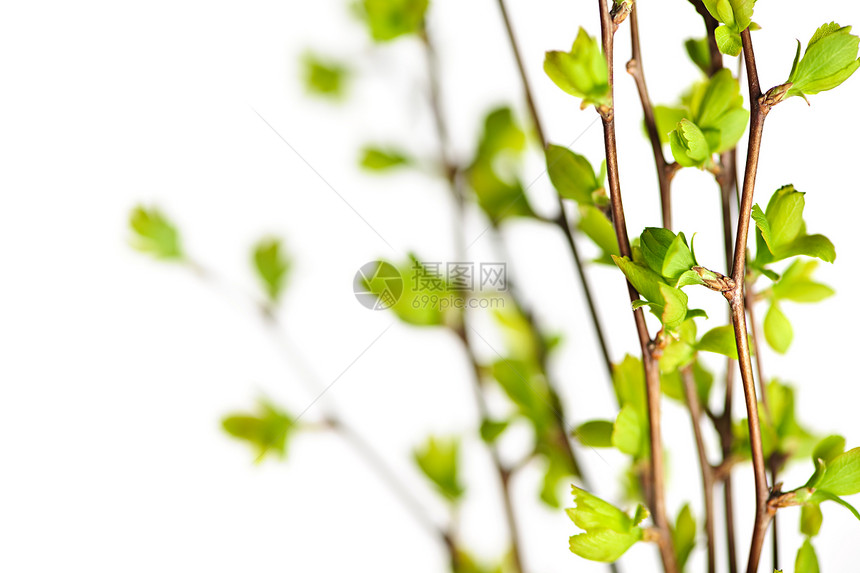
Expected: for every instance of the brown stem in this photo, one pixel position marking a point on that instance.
(451, 171)
(758, 112)
(665, 171)
(561, 221)
(692, 398)
(652, 372)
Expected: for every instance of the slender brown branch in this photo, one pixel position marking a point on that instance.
(692, 398)
(665, 170)
(652, 372)
(561, 221)
(758, 112)
(458, 197)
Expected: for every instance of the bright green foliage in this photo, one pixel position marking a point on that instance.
(153, 234)
(426, 298)
(720, 340)
(500, 193)
(323, 77)
(573, 177)
(667, 303)
(527, 390)
(810, 519)
(796, 284)
(828, 449)
(380, 159)
(781, 432)
(830, 59)
(630, 431)
(700, 53)
(595, 434)
(597, 227)
(438, 458)
(736, 15)
(684, 536)
(272, 267)
(841, 475)
(267, 430)
(714, 120)
(492, 429)
(627, 433)
(557, 471)
(519, 336)
(781, 231)
(667, 118)
(667, 254)
(806, 561)
(777, 329)
(390, 19)
(609, 532)
(581, 72)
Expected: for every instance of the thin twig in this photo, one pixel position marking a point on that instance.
(758, 112)
(665, 170)
(692, 398)
(561, 221)
(457, 194)
(651, 366)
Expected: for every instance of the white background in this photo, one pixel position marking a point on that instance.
(115, 370)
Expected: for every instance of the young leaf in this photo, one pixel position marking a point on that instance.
(380, 159)
(390, 19)
(842, 474)
(628, 433)
(323, 77)
(806, 561)
(667, 119)
(828, 449)
(796, 284)
(736, 15)
(272, 267)
(438, 458)
(700, 53)
(267, 430)
(720, 340)
(581, 72)
(595, 434)
(830, 59)
(594, 223)
(609, 532)
(492, 429)
(777, 329)
(688, 143)
(571, 174)
(153, 234)
(679, 259)
(684, 536)
(782, 231)
(810, 519)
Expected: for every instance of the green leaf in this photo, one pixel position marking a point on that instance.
(806, 561)
(582, 72)
(266, 430)
(272, 267)
(824, 495)
(796, 285)
(737, 16)
(628, 433)
(527, 389)
(390, 19)
(785, 215)
(782, 231)
(492, 429)
(817, 246)
(438, 459)
(655, 243)
(674, 310)
(558, 470)
(828, 449)
(571, 174)
(420, 295)
(728, 41)
(688, 143)
(380, 159)
(324, 77)
(666, 119)
(609, 532)
(597, 227)
(628, 378)
(810, 519)
(153, 234)
(644, 280)
(595, 434)
(679, 259)
(684, 536)
(501, 134)
(830, 59)
(720, 340)
(700, 53)
(777, 329)
(842, 474)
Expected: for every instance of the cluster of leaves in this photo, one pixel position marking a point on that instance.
(829, 59)
(711, 119)
(735, 16)
(581, 72)
(608, 531)
(781, 231)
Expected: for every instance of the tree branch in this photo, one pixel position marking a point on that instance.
(665, 171)
(458, 197)
(561, 221)
(652, 373)
(759, 108)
